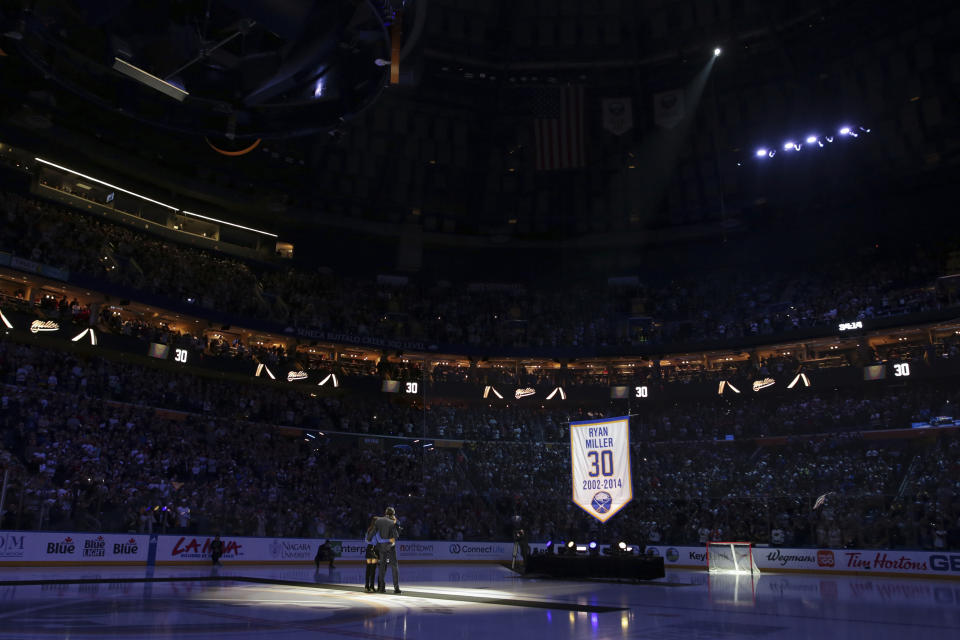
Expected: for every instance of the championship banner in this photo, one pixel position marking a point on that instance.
(668, 108)
(617, 115)
(600, 461)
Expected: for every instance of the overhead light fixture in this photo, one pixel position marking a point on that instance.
(149, 80)
(330, 377)
(489, 389)
(726, 385)
(800, 377)
(761, 152)
(229, 224)
(106, 184)
(85, 332)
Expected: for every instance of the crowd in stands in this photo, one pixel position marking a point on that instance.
(213, 344)
(815, 410)
(702, 308)
(99, 444)
(95, 444)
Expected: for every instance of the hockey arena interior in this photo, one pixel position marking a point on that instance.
(413, 319)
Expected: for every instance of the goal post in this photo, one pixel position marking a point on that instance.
(731, 557)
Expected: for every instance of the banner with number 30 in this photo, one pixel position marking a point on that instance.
(600, 463)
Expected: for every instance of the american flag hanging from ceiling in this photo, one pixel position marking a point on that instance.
(558, 128)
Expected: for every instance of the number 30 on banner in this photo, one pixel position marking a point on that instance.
(605, 468)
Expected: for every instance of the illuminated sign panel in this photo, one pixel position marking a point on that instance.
(159, 351)
(38, 326)
(763, 384)
(901, 370)
(874, 372)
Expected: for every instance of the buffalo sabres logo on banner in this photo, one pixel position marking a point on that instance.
(617, 115)
(600, 462)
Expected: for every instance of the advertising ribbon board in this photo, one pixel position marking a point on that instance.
(600, 463)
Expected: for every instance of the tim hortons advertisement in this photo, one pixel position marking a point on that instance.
(855, 560)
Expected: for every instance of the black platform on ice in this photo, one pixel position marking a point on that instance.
(619, 567)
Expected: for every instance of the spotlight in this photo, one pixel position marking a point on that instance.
(549, 543)
(811, 139)
(761, 152)
(622, 545)
(593, 544)
(772, 153)
(789, 146)
(717, 52)
(845, 131)
(571, 545)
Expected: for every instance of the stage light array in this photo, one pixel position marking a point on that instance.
(811, 141)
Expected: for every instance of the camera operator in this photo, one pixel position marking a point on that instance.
(324, 554)
(520, 540)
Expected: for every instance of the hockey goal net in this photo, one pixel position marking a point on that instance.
(731, 557)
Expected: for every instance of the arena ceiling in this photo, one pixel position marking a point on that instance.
(285, 109)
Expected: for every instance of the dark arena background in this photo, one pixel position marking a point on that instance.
(641, 316)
